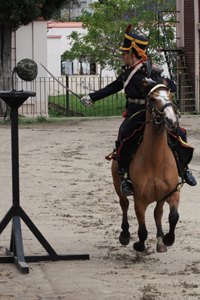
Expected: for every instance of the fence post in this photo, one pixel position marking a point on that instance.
(197, 93)
(179, 91)
(67, 94)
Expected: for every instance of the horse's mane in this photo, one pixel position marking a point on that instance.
(146, 88)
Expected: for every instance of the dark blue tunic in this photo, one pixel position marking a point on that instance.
(133, 91)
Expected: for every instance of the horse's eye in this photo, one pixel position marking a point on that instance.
(152, 99)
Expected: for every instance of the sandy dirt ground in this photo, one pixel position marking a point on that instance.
(66, 189)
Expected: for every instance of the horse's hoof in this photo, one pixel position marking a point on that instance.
(138, 246)
(168, 239)
(160, 246)
(124, 240)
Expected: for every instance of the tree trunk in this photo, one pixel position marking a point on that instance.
(100, 75)
(5, 62)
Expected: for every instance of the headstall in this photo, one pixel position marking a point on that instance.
(158, 115)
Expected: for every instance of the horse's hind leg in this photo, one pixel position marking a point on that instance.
(158, 212)
(124, 237)
(142, 231)
(169, 238)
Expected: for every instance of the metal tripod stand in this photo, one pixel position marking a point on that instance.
(15, 253)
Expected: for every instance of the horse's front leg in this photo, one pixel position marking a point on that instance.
(169, 238)
(140, 209)
(158, 212)
(124, 237)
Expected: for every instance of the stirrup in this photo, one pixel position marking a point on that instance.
(126, 188)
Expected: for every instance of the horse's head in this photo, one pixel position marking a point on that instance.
(159, 102)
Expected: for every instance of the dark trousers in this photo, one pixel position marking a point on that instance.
(130, 124)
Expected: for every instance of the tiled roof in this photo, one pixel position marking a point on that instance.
(65, 25)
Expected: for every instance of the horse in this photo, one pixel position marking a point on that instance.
(153, 170)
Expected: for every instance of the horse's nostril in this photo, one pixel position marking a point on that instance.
(170, 121)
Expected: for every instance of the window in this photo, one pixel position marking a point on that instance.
(93, 68)
(78, 68)
(83, 4)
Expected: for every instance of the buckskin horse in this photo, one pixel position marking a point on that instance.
(153, 171)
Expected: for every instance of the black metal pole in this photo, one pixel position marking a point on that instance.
(179, 91)
(158, 31)
(67, 94)
(15, 155)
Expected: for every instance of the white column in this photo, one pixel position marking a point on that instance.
(196, 38)
(180, 23)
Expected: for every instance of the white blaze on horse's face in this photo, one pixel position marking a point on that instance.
(171, 121)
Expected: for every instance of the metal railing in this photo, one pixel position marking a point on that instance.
(52, 98)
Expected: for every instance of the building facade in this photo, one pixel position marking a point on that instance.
(74, 9)
(188, 38)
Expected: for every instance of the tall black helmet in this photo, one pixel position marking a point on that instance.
(133, 41)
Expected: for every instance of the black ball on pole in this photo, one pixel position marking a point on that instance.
(27, 69)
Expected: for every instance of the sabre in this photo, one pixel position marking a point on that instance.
(61, 82)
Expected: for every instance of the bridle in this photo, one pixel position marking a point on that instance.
(158, 115)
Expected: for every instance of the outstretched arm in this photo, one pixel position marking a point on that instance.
(110, 89)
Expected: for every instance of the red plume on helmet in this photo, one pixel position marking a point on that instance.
(128, 28)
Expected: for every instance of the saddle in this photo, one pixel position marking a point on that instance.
(182, 151)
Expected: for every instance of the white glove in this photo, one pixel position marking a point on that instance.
(87, 101)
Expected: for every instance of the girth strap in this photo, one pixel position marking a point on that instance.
(180, 184)
(178, 187)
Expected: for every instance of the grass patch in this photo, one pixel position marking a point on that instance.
(113, 105)
(56, 113)
(42, 119)
(38, 120)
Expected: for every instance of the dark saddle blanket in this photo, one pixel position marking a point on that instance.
(182, 151)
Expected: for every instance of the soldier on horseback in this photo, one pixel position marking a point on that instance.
(134, 70)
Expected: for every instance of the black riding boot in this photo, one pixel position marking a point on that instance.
(189, 178)
(126, 185)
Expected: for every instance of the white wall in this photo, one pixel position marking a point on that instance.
(31, 42)
(54, 55)
(65, 29)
